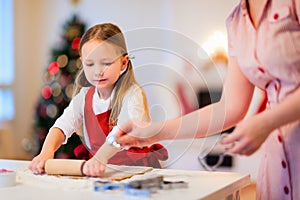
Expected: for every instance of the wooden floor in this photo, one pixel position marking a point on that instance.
(249, 192)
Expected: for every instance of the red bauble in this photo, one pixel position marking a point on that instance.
(46, 92)
(75, 43)
(53, 68)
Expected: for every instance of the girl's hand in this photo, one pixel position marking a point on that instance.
(37, 164)
(248, 136)
(93, 167)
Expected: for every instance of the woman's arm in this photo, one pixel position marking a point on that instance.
(285, 112)
(232, 107)
(252, 132)
(234, 103)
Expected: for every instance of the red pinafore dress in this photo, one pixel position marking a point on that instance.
(98, 128)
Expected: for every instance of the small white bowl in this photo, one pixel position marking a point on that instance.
(7, 178)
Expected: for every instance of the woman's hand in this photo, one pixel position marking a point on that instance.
(138, 134)
(37, 164)
(93, 167)
(248, 136)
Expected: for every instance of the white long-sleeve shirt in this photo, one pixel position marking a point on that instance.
(72, 120)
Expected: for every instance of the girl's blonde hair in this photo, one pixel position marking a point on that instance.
(112, 34)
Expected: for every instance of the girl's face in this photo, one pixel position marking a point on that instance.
(102, 65)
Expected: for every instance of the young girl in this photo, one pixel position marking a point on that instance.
(106, 96)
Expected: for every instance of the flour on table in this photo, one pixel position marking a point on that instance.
(117, 173)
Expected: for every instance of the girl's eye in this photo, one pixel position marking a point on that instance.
(89, 64)
(107, 63)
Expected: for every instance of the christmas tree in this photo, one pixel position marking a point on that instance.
(57, 89)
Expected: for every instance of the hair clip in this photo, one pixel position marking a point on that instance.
(131, 56)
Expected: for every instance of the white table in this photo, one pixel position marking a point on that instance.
(201, 185)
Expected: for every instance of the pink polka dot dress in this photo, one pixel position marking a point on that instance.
(269, 56)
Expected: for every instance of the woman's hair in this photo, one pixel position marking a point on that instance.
(111, 34)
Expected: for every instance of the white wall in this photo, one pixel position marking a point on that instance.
(38, 26)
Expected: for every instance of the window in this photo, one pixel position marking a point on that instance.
(6, 60)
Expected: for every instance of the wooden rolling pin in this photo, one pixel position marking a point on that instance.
(64, 167)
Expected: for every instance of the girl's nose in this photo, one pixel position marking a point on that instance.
(99, 70)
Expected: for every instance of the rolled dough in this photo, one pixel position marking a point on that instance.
(113, 173)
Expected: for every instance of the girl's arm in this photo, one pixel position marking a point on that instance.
(97, 164)
(52, 142)
(233, 106)
(71, 119)
(63, 128)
